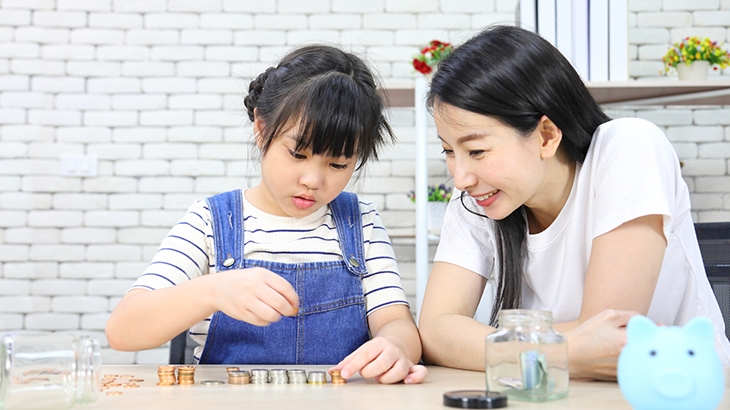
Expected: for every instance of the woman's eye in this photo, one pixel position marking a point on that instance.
(476, 153)
(447, 151)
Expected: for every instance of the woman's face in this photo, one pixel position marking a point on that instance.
(497, 166)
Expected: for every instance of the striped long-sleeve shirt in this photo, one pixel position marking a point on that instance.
(188, 252)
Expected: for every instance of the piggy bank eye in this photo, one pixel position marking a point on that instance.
(652, 353)
(691, 352)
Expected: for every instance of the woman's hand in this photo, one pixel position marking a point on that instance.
(381, 359)
(253, 295)
(594, 345)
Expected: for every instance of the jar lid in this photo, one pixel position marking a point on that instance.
(475, 399)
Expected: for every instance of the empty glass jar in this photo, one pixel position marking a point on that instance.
(526, 358)
(48, 370)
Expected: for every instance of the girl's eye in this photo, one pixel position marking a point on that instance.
(338, 166)
(297, 155)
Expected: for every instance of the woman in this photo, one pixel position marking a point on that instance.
(560, 207)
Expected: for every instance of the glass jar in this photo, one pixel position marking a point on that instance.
(48, 370)
(526, 358)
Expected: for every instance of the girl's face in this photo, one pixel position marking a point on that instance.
(297, 183)
(500, 168)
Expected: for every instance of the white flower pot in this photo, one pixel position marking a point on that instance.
(696, 71)
(435, 211)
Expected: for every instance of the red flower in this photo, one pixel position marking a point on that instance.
(421, 66)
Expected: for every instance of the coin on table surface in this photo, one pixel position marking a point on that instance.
(136, 380)
(212, 382)
(126, 376)
(113, 393)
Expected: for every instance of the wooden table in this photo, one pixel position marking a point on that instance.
(356, 394)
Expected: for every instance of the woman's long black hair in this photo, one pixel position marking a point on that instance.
(515, 76)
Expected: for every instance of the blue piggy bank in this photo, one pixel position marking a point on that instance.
(670, 367)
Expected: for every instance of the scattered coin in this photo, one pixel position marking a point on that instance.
(212, 382)
(113, 393)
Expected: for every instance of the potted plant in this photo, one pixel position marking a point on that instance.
(438, 199)
(425, 61)
(692, 57)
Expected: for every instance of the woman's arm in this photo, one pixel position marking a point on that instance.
(624, 266)
(450, 335)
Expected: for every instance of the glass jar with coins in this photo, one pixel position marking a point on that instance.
(526, 358)
(48, 370)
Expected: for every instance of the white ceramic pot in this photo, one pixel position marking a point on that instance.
(696, 71)
(435, 211)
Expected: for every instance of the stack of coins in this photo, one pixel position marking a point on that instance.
(316, 377)
(186, 375)
(230, 369)
(279, 376)
(239, 377)
(166, 374)
(259, 376)
(297, 376)
(337, 378)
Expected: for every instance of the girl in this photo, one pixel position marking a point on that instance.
(293, 270)
(563, 208)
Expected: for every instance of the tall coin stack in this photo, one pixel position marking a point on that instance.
(166, 374)
(278, 376)
(259, 376)
(337, 378)
(186, 375)
(316, 377)
(297, 376)
(239, 377)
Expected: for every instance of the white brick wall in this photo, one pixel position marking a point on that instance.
(153, 88)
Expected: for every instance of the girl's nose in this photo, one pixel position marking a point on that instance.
(312, 178)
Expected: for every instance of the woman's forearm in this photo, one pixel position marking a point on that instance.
(455, 341)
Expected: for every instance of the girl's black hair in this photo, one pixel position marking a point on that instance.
(330, 95)
(515, 76)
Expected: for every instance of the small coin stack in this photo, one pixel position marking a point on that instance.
(337, 378)
(297, 376)
(166, 374)
(278, 376)
(186, 375)
(259, 376)
(239, 377)
(317, 377)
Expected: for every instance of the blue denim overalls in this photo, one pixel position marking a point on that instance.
(331, 322)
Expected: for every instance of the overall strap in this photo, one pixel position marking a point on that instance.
(348, 221)
(226, 213)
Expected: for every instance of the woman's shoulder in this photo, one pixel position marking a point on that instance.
(629, 128)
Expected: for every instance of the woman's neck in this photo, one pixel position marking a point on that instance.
(556, 191)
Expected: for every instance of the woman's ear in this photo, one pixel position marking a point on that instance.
(258, 128)
(550, 137)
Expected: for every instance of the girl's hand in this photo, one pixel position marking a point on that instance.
(594, 346)
(253, 295)
(382, 359)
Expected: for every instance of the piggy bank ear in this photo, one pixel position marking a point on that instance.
(700, 328)
(640, 327)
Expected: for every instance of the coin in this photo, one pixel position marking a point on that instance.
(212, 382)
(113, 393)
(136, 380)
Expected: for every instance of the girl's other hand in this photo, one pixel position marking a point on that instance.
(381, 359)
(253, 295)
(594, 345)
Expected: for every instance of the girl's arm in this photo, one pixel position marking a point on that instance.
(146, 319)
(392, 354)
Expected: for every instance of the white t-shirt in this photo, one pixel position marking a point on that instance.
(630, 170)
(188, 251)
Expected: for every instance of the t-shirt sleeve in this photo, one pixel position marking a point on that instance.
(183, 253)
(382, 284)
(636, 175)
(466, 238)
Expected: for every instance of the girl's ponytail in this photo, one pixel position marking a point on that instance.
(254, 91)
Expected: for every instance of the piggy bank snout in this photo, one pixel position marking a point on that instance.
(673, 383)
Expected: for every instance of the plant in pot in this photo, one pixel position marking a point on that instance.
(438, 199)
(429, 57)
(692, 57)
